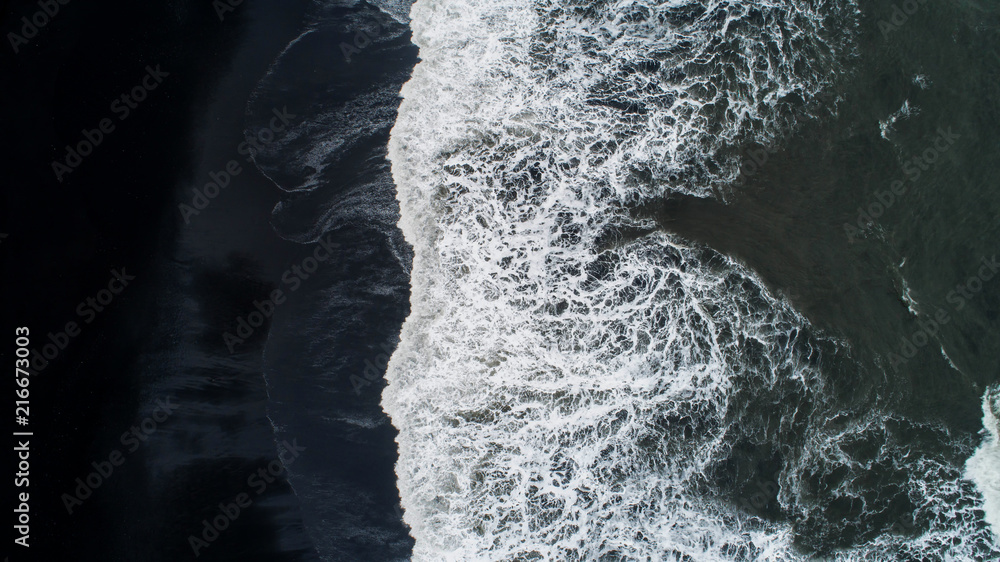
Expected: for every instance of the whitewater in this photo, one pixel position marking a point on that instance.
(566, 391)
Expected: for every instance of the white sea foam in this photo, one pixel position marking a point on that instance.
(888, 126)
(560, 399)
(984, 467)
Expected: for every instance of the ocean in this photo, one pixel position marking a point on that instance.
(699, 281)
(511, 280)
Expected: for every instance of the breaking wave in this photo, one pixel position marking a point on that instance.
(565, 391)
(984, 467)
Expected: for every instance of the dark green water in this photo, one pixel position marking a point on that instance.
(902, 278)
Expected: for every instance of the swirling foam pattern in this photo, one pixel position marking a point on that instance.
(562, 398)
